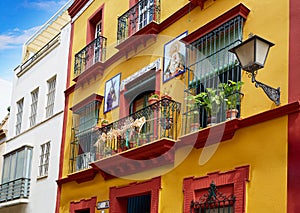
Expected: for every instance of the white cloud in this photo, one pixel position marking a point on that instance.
(16, 38)
(53, 6)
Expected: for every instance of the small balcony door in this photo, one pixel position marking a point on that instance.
(146, 12)
(98, 43)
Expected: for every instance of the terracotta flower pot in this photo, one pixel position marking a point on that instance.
(231, 114)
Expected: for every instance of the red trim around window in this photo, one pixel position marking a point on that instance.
(116, 194)
(235, 179)
(86, 101)
(83, 205)
(239, 10)
(97, 16)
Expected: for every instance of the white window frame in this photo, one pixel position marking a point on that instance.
(19, 115)
(50, 96)
(33, 106)
(44, 159)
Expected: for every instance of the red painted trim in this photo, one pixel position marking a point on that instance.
(70, 90)
(176, 16)
(293, 179)
(83, 205)
(79, 177)
(239, 10)
(236, 179)
(76, 7)
(225, 131)
(199, 3)
(118, 195)
(124, 105)
(91, 24)
(65, 119)
(155, 154)
(86, 101)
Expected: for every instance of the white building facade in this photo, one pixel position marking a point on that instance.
(31, 159)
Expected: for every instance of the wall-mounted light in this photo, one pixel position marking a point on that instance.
(252, 55)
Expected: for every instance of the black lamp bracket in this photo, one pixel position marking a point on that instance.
(272, 93)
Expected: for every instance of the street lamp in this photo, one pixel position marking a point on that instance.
(252, 55)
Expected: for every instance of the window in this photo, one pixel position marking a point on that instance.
(85, 119)
(50, 97)
(34, 102)
(84, 206)
(16, 174)
(230, 183)
(140, 102)
(19, 116)
(142, 197)
(210, 63)
(139, 204)
(44, 159)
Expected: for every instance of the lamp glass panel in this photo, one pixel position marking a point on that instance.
(262, 49)
(245, 54)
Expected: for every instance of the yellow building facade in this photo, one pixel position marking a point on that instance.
(122, 153)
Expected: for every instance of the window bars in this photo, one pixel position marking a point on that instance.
(82, 151)
(208, 65)
(213, 202)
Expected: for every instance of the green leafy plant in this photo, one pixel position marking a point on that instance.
(154, 96)
(231, 91)
(210, 100)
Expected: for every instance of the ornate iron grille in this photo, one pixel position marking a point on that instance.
(94, 52)
(209, 63)
(15, 189)
(137, 17)
(159, 121)
(213, 202)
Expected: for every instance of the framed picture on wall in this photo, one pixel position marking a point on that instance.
(112, 93)
(174, 58)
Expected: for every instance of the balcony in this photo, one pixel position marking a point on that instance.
(152, 123)
(138, 17)
(145, 134)
(89, 56)
(15, 190)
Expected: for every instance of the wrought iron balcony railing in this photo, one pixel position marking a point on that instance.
(137, 17)
(154, 122)
(15, 189)
(94, 52)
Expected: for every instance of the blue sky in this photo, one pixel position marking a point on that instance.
(19, 19)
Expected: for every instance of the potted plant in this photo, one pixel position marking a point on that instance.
(153, 98)
(193, 114)
(231, 91)
(211, 101)
(104, 122)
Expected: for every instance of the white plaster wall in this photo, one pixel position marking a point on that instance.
(42, 197)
